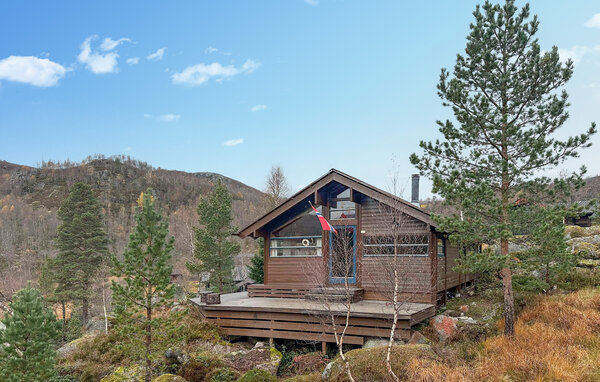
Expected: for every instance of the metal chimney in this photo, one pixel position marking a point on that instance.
(414, 197)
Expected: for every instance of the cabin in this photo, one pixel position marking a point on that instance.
(303, 263)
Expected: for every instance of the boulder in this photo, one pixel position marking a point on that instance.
(261, 358)
(374, 342)
(467, 320)
(444, 326)
(126, 374)
(327, 372)
(2, 326)
(176, 357)
(68, 349)
(464, 308)
(417, 338)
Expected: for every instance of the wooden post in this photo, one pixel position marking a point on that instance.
(323, 347)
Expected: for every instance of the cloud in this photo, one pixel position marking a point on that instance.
(314, 3)
(97, 62)
(199, 74)
(258, 108)
(133, 60)
(233, 142)
(593, 22)
(210, 50)
(170, 117)
(110, 44)
(157, 56)
(31, 70)
(577, 52)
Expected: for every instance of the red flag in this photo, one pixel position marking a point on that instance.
(324, 223)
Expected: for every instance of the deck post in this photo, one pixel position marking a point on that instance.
(323, 347)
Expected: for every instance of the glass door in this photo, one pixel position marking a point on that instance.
(342, 255)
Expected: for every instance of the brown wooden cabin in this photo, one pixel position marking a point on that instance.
(297, 258)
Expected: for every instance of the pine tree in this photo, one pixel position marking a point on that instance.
(505, 96)
(213, 246)
(146, 269)
(257, 264)
(82, 244)
(27, 344)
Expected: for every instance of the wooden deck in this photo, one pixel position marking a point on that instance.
(299, 319)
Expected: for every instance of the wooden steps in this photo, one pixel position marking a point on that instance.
(335, 294)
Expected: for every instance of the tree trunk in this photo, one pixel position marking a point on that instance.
(509, 308)
(148, 344)
(85, 311)
(64, 321)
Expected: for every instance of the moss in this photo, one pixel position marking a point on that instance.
(367, 364)
(275, 354)
(222, 374)
(126, 374)
(313, 377)
(169, 378)
(197, 369)
(257, 375)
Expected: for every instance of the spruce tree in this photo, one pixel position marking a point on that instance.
(213, 246)
(82, 245)
(146, 271)
(257, 264)
(27, 351)
(505, 93)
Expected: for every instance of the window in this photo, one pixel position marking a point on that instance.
(302, 237)
(407, 245)
(341, 207)
(441, 247)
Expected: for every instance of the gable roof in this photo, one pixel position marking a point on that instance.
(337, 176)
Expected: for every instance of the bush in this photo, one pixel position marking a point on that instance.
(197, 370)
(222, 374)
(527, 283)
(257, 375)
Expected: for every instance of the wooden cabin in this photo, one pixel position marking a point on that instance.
(300, 262)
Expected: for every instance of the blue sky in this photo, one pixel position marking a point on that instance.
(234, 87)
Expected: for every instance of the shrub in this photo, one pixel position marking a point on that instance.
(222, 374)
(197, 369)
(257, 375)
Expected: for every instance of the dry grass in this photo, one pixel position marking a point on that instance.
(557, 339)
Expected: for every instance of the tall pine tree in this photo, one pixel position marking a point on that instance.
(27, 351)
(214, 248)
(146, 271)
(257, 264)
(505, 95)
(82, 244)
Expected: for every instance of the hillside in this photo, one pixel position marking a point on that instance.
(30, 197)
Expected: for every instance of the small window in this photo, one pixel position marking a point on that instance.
(301, 237)
(406, 245)
(341, 207)
(441, 247)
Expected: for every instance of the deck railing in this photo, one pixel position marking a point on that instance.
(281, 291)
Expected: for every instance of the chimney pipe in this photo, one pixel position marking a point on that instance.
(414, 197)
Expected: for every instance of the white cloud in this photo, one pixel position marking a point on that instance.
(314, 3)
(31, 70)
(133, 60)
(593, 22)
(110, 44)
(201, 73)
(157, 56)
(233, 142)
(258, 108)
(577, 52)
(97, 62)
(170, 117)
(210, 50)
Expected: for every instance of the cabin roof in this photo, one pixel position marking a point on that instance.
(309, 193)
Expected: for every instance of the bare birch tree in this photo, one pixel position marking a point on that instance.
(276, 187)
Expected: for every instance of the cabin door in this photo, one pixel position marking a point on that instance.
(342, 255)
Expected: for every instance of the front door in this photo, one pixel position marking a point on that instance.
(342, 255)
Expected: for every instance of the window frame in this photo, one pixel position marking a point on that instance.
(365, 254)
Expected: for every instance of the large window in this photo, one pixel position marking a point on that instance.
(406, 245)
(441, 247)
(302, 237)
(341, 207)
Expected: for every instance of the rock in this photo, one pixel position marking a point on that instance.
(68, 349)
(264, 358)
(2, 326)
(471, 293)
(96, 325)
(444, 326)
(176, 357)
(256, 375)
(464, 308)
(327, 372)
(126, 374)
(467, 320)
(417, 338)
(374, 342)
(260, 345)
(169, 378)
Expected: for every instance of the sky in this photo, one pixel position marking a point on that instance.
(234, 87)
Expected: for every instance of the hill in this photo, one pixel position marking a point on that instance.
(30, 197)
